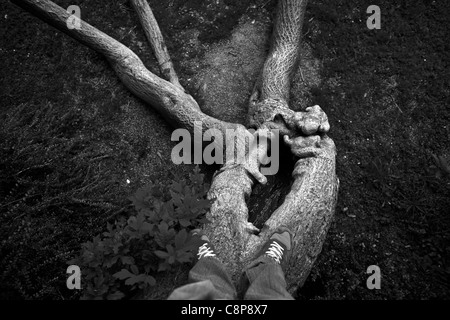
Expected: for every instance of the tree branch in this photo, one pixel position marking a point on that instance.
(178, 107)
(284, 51)
(270, 95)
(308, 208)
(154, 36)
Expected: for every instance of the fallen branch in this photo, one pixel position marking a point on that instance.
(310, 205)
(154, 36)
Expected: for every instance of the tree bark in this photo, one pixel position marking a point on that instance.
(156, 40)
(309, 206)
(178, 107)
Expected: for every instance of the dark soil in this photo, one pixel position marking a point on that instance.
(386, 93)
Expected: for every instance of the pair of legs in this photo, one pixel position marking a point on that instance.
(262, 280)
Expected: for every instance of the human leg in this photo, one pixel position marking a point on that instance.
(208, 279)
(265, 277)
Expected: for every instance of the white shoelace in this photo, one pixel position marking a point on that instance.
(275, 251)
(205, 251)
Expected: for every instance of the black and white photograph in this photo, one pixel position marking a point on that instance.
(225, 150)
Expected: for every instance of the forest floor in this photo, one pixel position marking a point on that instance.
(386, 93)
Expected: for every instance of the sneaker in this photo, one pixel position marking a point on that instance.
(279, 245)
(206, 249)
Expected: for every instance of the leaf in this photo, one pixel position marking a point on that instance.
(176, 187)
(147, 228)
(138, 199)
(116, 247)
(196, 176)
(184, 243)
(135, 279)
(132, 222)
(150, 280)
(176, 198)
(187, 190)
(200, 207)
(181, 239)
(134, 269)
(161, 254)
(204, 203)
(123, 274)
(163, 227)
(156, 191)
(184, 256)
(149, 213)
(99, 280)
(167, 211)
(127, 260)
(184, 223)
(140, 220)
(204, 220)
(170, 250)
(172, 254)
(165, 235)
(111, 262)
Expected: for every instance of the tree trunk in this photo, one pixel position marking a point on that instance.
(309, 206)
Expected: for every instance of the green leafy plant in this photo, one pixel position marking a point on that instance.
(155, 238)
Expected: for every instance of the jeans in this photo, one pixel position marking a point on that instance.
(208, 280)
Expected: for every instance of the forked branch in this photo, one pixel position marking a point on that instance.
(154, 36)
(178, 107)
(308, 208)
